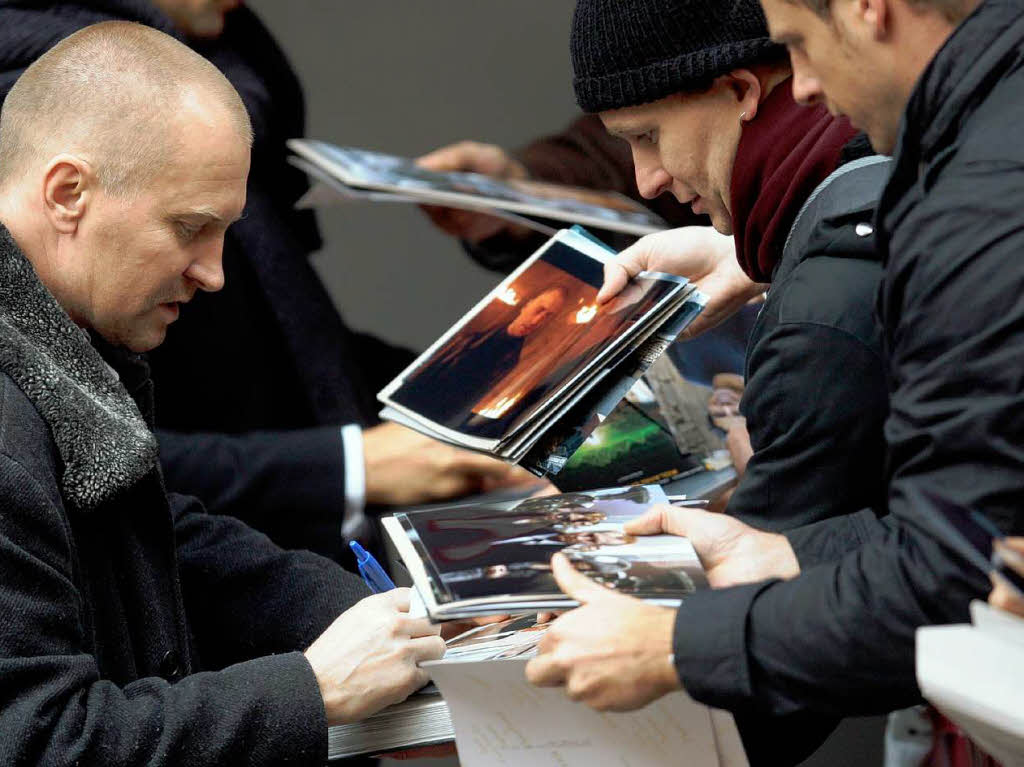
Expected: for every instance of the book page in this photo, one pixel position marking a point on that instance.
(502, 720)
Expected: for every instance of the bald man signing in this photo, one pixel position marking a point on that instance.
(136, 628)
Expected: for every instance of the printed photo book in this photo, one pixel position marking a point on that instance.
(470, 561)
(530, 371)
(353, 174)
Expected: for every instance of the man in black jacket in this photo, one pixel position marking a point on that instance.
(833, 630)
(137, 628)
(256, 383)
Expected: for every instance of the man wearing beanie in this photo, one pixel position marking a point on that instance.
(704, 100)
(824, 618)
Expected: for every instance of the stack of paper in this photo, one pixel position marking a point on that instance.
(974, 674)
(538, 364)
(498, 719)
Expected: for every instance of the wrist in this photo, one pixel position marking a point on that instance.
(665, 666)
(780, 559)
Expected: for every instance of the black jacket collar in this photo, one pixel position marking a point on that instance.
(974, 58)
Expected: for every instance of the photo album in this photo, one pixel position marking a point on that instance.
(360, 174)
(538, 364)
(474, 560)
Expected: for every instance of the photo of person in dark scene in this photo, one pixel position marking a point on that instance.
(538, 329)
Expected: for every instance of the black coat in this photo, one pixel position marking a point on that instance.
(118, 599)
(253, 382)
(950, 228)
(816, 398)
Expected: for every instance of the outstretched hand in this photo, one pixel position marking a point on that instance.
(731, 551)
(699, 253)
(472, 156)
(613, 652)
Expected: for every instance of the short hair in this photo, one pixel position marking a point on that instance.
(110, 92)
(954, 11)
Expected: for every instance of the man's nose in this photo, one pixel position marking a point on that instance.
(651, 180)
(207, 272)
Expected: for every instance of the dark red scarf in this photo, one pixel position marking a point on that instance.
(784, 153)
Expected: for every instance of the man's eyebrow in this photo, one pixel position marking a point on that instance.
(204, 212)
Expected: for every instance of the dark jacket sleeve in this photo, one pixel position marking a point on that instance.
(815, 399)
(56, 709)
(247, 597)
(288, 484)
(840, 637)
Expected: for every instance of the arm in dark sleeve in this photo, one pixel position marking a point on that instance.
(56, 709)
(840, 637)
(247, 597)
(285, 482)
(815, 404)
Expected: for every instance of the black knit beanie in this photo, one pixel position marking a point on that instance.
(628, 52)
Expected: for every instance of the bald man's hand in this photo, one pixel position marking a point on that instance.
(699, 253)
(404, 467)
(473, 157)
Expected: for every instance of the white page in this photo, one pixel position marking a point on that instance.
(503, 721)
(977, 680)
(995, 622)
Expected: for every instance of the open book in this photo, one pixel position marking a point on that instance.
(537, 364)
(468, 561)
(497, 718)
(362, 174)
(974, 674)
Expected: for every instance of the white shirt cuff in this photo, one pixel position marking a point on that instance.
(354, 520)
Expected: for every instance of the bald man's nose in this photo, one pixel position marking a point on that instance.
(207, 272)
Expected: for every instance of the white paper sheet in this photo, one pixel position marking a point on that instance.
(503, 721)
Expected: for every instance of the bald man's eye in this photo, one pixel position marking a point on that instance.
(648, 137)
(186, 232)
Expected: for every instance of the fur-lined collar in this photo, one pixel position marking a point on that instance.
(102, 438)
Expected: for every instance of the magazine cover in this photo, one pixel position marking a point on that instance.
(487, 560)
(401, 175)
(529, 339)
(631, 445)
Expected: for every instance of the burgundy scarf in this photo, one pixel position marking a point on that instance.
(784, 153)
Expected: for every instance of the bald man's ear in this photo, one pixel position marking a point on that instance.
(67, 192)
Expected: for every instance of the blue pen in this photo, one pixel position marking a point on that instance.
(370, 569)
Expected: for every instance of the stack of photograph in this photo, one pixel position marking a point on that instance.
(471, 561)
(348, 173)
(538, 364)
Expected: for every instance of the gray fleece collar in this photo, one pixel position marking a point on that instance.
(103, 440)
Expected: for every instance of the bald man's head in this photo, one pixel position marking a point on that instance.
(121, 96)
(123, 160)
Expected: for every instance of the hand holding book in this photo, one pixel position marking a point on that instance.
(613, 652)
(473, 157)
(698, 253)
(731, 551)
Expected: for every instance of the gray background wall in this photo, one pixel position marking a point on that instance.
(407, 76)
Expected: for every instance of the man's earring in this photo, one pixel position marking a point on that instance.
(743, 117)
